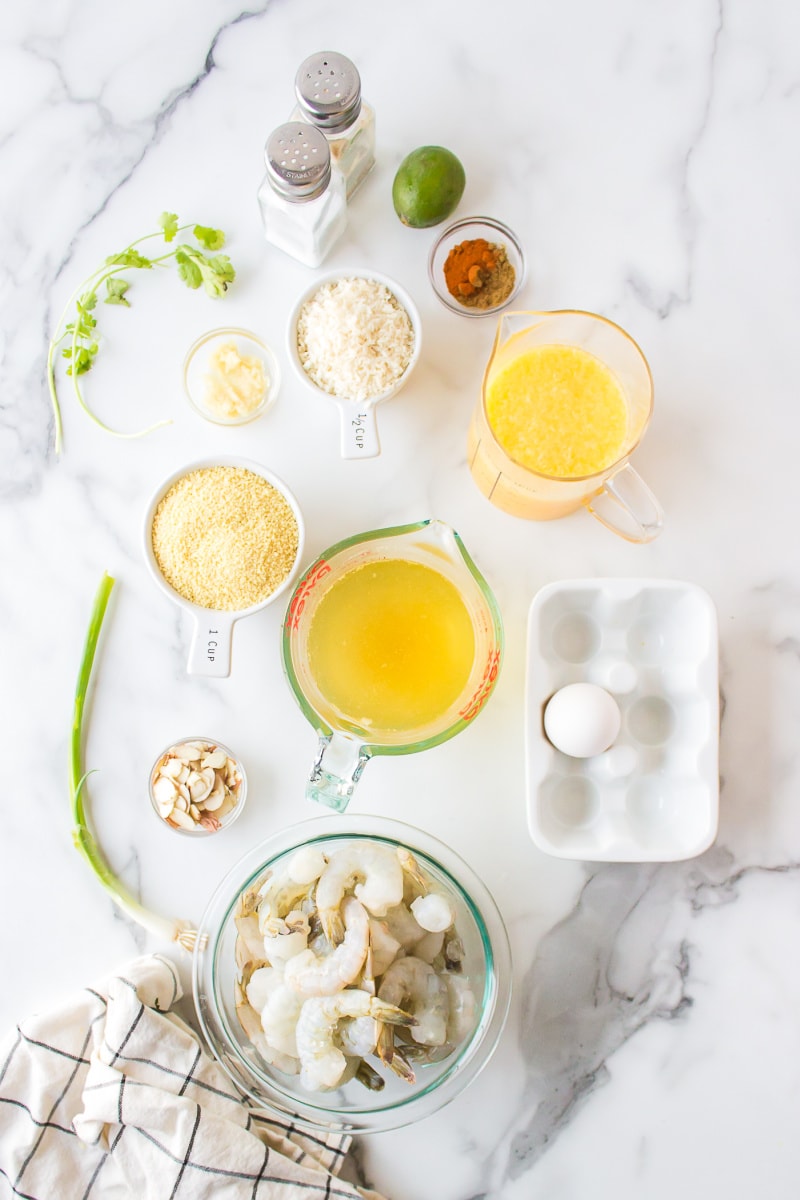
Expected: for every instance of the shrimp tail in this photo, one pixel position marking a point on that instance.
(369, 1077)
(389, 1014)
(384, 1044)
(332, 926)
(402, 1067)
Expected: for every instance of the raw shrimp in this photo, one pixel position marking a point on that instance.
(359, 1036)
(433, 912)
(375, 871)
(285, 938)
(411, 983)
(262, 984)
(403, 926)
(278, 896)
(312, 976)
(307, 865)
(429, 947)
(279, 1019)
(322, 1063)
(463, 1010)
(251, 1024)
(249, 943)
(385, 948)
(414, 883)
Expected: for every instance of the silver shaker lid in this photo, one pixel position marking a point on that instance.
(298, 161)
(328, 90)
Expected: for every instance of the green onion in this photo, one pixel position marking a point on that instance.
(83, 839)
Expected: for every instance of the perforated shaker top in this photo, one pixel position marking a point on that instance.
(298, 161)
(328, 90)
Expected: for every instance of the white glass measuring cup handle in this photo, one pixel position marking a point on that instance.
(628, 507)
(210, 649)
(359, 429)
(336, 771)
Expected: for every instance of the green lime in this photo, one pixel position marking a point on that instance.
(427, 187)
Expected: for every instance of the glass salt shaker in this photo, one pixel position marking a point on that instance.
(328, 90)
(302, 201)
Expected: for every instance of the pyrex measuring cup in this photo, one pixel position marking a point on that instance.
(212, 629)
(426, 552)
(616, 495)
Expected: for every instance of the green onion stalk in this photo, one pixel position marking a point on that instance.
(83, 839)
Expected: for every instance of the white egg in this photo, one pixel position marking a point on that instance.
(582, 720)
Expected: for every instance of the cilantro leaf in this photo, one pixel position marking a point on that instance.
(212, 239)
(168, 221)
(129, 258)
(116, 289)
(188, 269)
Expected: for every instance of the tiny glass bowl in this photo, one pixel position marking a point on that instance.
(196, 369)
(229, 814)
(468, 229)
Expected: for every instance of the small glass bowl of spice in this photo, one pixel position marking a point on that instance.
(197, 786)
(476, 266)
(230, 376)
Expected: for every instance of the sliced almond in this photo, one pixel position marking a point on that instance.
(215, 797)
(187, 752)
(182, 819)
(164, 791)
(217, 758)
(206, 779)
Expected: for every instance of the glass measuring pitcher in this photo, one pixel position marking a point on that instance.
(392, 643)
(601, 355)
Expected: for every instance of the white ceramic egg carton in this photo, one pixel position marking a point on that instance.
(654, 794)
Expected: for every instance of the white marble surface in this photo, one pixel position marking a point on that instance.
(647, 157)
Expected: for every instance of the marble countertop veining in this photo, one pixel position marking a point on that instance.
(647, 157)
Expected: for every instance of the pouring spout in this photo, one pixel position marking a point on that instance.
(337, 769)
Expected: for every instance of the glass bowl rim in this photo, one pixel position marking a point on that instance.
(483, 910)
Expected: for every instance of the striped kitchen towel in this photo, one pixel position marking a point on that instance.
(111, 1097)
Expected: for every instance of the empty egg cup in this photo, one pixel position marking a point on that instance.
(653, 796)
(212, 629)
(358, 424)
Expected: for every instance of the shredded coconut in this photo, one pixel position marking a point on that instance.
(354, 338)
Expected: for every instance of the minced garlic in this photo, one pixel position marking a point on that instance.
(235, 384)
(224, 537)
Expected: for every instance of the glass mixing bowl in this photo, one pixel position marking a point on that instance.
(486, 963)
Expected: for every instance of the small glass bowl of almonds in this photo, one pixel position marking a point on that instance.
(197, 786)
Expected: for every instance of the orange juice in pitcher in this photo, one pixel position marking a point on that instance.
(566, 398)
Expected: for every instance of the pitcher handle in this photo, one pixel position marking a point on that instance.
(336, 771)
(359, 430)
(627, 506)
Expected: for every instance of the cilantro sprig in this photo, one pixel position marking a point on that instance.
(198, 265)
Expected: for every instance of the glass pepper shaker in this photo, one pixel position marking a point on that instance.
(302, 200)
(328, 91)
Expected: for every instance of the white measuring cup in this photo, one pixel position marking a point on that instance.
(212, 629)
(358, 424)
